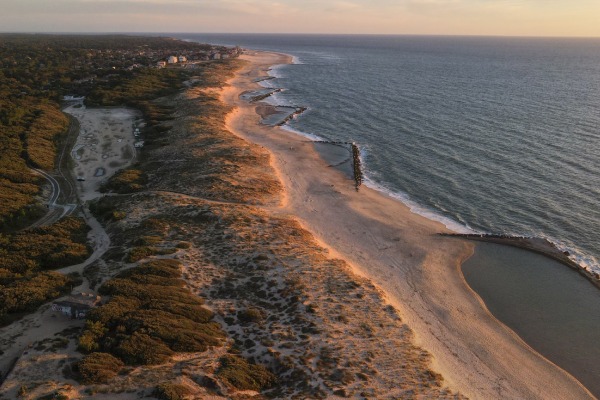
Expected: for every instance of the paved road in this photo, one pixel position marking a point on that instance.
(55, 187)
(63, 200)
(56, 211)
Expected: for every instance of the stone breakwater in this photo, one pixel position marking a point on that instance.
(358, 175)
(297, 111)
(260, 97)
(356, 164)
(537, 245)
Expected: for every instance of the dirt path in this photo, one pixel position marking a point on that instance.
(107, 140)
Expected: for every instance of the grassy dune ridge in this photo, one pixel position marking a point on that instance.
(296, 323)
(26, 262)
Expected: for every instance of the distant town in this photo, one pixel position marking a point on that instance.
(192, 59)
(131, 59)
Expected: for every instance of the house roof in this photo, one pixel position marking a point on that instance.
(72, 304)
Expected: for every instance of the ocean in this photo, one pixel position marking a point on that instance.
(486, 134)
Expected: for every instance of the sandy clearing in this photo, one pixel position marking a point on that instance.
(105, 144)
(399, 252)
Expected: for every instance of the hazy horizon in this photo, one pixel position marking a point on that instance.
(529, 18)
(166, 33)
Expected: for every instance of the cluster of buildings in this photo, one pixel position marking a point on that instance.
(220, 54)
(139, 143)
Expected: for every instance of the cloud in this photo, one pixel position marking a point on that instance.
(310, 16)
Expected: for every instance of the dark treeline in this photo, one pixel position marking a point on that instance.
(37, 70)
(26, 261)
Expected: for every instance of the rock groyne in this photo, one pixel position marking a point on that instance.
(356, 163)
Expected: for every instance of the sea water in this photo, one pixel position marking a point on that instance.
(494, 135)
(490, 135)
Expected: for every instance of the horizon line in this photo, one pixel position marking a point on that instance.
(290, 34)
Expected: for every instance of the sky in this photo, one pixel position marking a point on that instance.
(433, 17)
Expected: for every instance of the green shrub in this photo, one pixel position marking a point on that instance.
(27, 293)
(117, 215)
(97, 368)
(140, 348)
(244, 376)
(148, 240)
(150, 316)
(171, 391)
(89, 340)
(115, 310)
(125, 181)
(250, 315)
(138, 253)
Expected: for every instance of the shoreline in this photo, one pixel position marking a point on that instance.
(401, 253)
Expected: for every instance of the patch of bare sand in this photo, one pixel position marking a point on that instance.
(105, 144)
(284, 303)
(398, 250)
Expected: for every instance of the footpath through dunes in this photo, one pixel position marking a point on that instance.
(401, 253)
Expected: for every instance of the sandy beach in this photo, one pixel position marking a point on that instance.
(401, 253)
(340, 293)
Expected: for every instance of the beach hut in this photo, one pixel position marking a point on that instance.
(76, 306)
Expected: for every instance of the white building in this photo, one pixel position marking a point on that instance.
(76, 306)
(172, 60)
(73, 98)
(161, 64)
(182, 59)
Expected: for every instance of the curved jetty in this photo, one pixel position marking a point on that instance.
(258, 95)
(538, 245)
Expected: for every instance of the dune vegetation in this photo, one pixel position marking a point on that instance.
(27, 259)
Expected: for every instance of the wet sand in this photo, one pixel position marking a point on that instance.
(400, 252)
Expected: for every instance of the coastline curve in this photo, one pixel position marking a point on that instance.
(400, 252)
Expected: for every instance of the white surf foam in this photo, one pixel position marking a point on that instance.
(417, 208)
(402, 197)
(586, 261)
(310, 136)
(276, 70)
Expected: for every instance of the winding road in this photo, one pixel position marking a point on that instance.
(65, 187)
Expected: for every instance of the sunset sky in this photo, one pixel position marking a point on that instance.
(452, 17)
